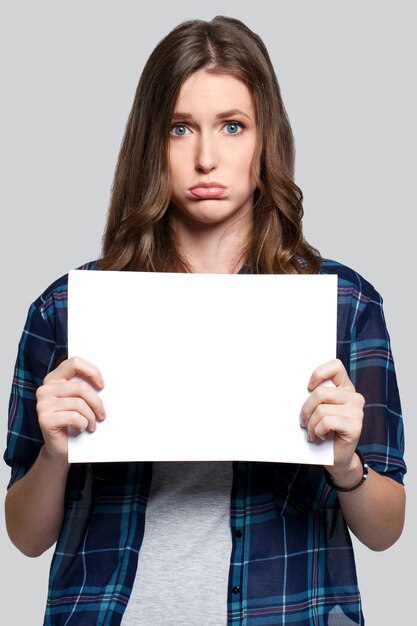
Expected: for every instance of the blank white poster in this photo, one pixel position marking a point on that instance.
(201, 366)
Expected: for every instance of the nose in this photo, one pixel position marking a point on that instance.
(205, 159)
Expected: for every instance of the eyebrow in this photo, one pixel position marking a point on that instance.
(179, 115)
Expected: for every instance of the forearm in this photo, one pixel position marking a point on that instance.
(375, 511)
(35, 505)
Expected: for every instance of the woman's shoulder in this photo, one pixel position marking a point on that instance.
(350, 282)
(55, 296)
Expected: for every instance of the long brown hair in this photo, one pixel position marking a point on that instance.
(137, 234)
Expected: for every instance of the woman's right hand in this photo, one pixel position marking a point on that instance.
(68, 397)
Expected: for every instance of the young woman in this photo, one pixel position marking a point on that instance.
(204, 183)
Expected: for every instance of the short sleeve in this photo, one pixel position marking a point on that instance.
(372, 372)
(36, 357)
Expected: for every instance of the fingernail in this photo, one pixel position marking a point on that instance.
(103, 414)
(310, 437)
(303, 422)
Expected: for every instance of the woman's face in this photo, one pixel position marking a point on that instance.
(211, 147)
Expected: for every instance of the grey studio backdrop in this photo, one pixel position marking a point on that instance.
(347, 73)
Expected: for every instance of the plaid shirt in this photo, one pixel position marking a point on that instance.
(292, 559)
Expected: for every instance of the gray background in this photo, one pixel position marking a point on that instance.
(347, 73)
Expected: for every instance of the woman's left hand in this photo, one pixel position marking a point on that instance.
(337, 410)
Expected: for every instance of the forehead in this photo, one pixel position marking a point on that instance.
(206, 91)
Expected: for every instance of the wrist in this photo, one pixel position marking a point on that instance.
(351, 477)
(58, 463)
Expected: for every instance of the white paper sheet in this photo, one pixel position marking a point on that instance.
(201, 366)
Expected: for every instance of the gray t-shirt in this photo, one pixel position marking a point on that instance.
(184, 560)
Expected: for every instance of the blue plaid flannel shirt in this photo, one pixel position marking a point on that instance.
(292, 557)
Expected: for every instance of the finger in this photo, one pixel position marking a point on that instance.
(72, 389)
(346, 430)
(322, 412)
(335, 418)
(76, 366)
(74, 404)
(81, 389)
(325, 395)
(332, 370)
(64, 419)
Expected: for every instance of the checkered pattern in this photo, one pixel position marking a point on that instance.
(292, 559)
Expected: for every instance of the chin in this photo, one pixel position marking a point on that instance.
(212, 220)
(207, 216)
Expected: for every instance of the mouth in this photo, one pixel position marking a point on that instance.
(207, 190)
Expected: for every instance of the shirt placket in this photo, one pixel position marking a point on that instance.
(239, 529)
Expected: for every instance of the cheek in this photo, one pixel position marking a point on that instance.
(244, 157)
(178, 163)
(173, 158)
(174, 174)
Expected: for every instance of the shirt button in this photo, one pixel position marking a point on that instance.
(238, 534)
(236, 589)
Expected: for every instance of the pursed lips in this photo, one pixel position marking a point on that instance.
(207, 190)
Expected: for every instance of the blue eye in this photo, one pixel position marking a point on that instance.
(179, 130)
(233, 128)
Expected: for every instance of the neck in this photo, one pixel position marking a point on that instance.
(212, 249)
